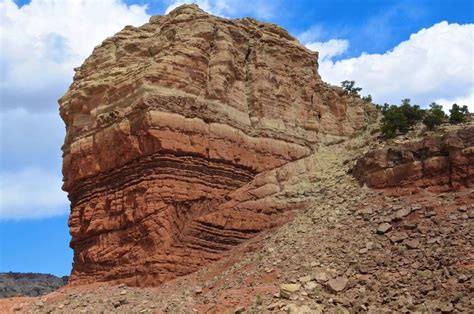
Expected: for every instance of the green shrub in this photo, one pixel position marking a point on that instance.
(349, 86)
(434, 116)
(393, 121)
(413, 113)
(399, 119)
(367, 98)
(458, 114)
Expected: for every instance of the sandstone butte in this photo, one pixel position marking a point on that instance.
(184, 138)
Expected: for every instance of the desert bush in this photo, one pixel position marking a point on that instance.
(399, 119)
(393, 121)
(434, 116)
(350, 87)
(458, 114)
(413, 113)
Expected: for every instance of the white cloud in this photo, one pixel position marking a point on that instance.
(44, 40)
(329, 49)
(259, 8)
(467, 100)
(41, 42)
(31, 193)
(436, 63)
(30, 138)
(313, 34)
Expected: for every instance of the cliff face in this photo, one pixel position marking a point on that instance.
(439, 163)
(183, 136)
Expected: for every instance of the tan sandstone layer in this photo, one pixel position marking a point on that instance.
(184, 137)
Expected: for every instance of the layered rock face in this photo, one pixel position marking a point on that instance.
(439, 163)
(182, 136)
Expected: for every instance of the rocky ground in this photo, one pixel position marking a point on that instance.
(353, 250)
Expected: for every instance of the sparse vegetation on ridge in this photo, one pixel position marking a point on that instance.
(399, 119)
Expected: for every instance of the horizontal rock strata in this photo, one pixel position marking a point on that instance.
(444, 162)
(181, 137)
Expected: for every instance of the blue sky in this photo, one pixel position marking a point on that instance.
(423, 50)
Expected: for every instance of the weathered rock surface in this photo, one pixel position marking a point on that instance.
(183, 138)
(445, 162)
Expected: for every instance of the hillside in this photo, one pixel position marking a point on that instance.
(29, 284)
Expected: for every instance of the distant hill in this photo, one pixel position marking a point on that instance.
(29, 284)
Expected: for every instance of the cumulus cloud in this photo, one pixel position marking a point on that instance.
(434, 64)
(31, 193)
(44, 40)
(30, 138)
(467, 100)
(41, 42)
(329, 49)
(259, 8)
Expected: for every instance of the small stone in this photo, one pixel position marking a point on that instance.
(366, 211)
(342, 310)
(61, 306)
(123, 292)
(462, 208)
(384, 228)
(430, 213)
(363, 250)
(463, 278)
(337, 284)
(446, 308)
(402, 213)
(288, 289)
(398, 236)
(304, 279)
(321, 276)
(370, 245)
(116, 303)
(410, 226)
(198, 290)
(123, 301)
(412, 244)
(311, 285)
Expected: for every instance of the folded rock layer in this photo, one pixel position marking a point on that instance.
(181, 136)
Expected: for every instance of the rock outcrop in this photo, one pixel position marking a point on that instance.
(182, 138)
(439, 163)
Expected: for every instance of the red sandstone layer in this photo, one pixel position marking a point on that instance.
(445, 162)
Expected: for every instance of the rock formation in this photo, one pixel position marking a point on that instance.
(182, 136)
(440, 163)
